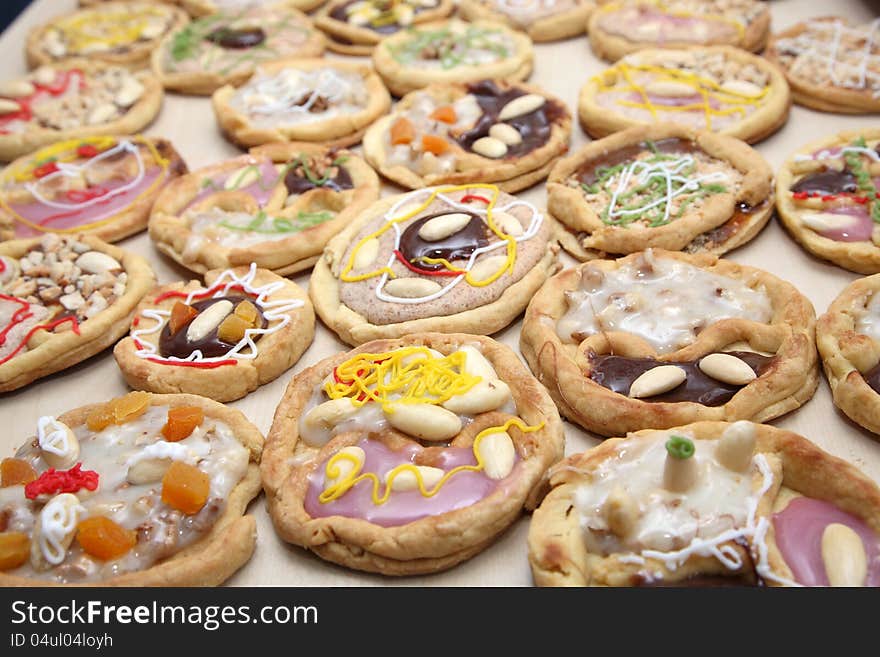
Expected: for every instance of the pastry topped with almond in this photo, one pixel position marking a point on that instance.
(409, 456)
(660, 338)
(142, 490)
(542, 20)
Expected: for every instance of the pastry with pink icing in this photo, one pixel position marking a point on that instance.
(827, 198)
(707, 504)
(542, 20)
(409, 456)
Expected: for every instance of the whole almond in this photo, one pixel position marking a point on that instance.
(347, 466)
(208, 320)
(485, 268)
(8, 106)
(443, 226)
(727, 369)
(96, 262)
(16, 88)
(742, 88)
(366, 254)
(521, 105)
(506, 133)
(101, 113)
(330, 413)
(476, 364)
(59, 446)
(411, 288)
(489, 147)
(656, 381)
(129, 93)
(45, 75)
(485, 396)
(670, 89)
(843, 552)
(736, 446)
(507, 223)
(823, 221)
(147, 471)
(498, 454)
(406, 479)
(424, 421)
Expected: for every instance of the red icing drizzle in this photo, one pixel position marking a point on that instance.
(53, 481)
(22, 314)
(200, 295)
(61, 85)
(202, 365)
(467, 198)
(424, 272)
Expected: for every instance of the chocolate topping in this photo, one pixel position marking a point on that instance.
(827, 182)
(617, 373)
(296, 181)
(534, 127)
(211, 346)
(457, 246)
(587, 172)
(246, 37)
(872, 378)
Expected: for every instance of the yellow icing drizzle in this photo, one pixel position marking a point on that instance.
(341, 487)
(664, 8)
(347, 277)
(707, 89)
(109, 28)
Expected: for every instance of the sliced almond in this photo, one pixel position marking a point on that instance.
(443, 226)
(736, 446)
(347, 467)
(656, 381)
(824, 221)
(240, 178)
(521, 105)
(498, 454)
(411, 288)
(406, 479)
(506, 133)
(58, 444)
(101, 113)
(742, 88)
(96, 262)
(425, 421)
(727, 369)
(366, 255)
(843, 552)
(485, 268)
(507, 223)
(208, 320)
(670, 89)
(16, 88)
(8, 106)
(489, 147)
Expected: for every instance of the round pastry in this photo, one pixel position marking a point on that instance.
(848, 337)
(143, 490)
(354, 27)
(831, 65)
(718, 88)
(661, 338)
(277, 207)
(225, 48)
(663, 185)
(624, 26)
(122, 33)
(827, 198)
(198, 8)
(454, 259)
(72, 100)
(221, 341)
(542, 20)
(62, 300)
(452, 51)
(409, 456)
(102, 186)
(455, 133)
(305, 100)
(707, 504)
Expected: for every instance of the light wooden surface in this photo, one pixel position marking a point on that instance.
(561, 68)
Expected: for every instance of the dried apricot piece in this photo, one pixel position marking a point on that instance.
(15, 547)
(232, 329)
(248, 312)
(101, 417)
(181, 315)
(402, 131)
(104, 539)
(15, 472)
(434, 144)
(130, 406)
(444, 113)
(185, 488)
(181, 422)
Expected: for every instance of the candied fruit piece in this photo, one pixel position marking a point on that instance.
(185, 488)
(402, 131)
(232, 329)
(118, 411)
(15, 547)
(15, 472)
(248, 312)
(181, 315)
(181, 422)
(444, 113)
(104, 539)
(434, 144)
(101, 417)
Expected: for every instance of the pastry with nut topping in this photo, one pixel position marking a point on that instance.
(542, 20)
(707, 504)
(463, 258)
(142, 490)
(716, 88)
(198, 8)
(277, 207)
(660, 338)
(62, 300)
(666, 186)
(488, 131)
(409, 456)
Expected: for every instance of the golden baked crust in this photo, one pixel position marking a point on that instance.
(231, 541)
(367, 101)
(431, 543)
(322, 211)
(400, 58)
(849, 355)
(786, 382)
(744, 24)
(690, 75)
(144, 368)
(858, 253)
(114, 102)
(47, 351)
(718, 223)
(351, 297)
(803, 53)
(190, 62)
(359, 38)
(541, 21)
(559, 557)
(121, 33)
(152, 161)
(458, 164)
(198, 8)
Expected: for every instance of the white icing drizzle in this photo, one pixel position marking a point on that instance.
(275, 313)
(53, 436)
(165, 450)
(836, 154)
(867, 321)
(532, 230)
(58, 520)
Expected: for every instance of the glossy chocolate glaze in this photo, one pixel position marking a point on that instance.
(728, 229)
(457, 246)
(211, 346)
(827, 182)
(872, 378)
(617, 373)
(534, 127)
(237, 39)
(587, 171)
(339, 13)
(299, 184)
